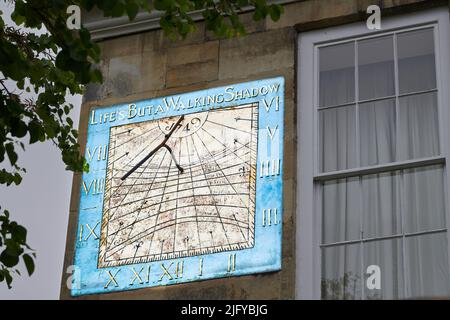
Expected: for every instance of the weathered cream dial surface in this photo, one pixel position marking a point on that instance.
(163, 212)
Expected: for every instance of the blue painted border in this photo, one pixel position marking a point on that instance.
(265, 256)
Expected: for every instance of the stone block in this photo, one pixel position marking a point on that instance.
(256, 53)
(287, 287)
(135, 73)
(97, 91)
(151, 41)
(198, 36)
(208, 51)
(192, 73)
(251, 26)
(312, 10)
(122, 46)
(192, 64)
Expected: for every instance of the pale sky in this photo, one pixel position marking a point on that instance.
(41, 204)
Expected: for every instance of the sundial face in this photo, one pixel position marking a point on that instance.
(182, 188)
(160, 213)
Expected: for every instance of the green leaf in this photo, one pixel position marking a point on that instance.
(5, 275)
(97, 76)
(275, 12)
(259, 14)
(17, 179)
(85, 166)
(13, 247)
(132, 9)
(88, 4)
(12, 155)
(9, 279)
(35, 130)
(242, 3)
(163, 5)
(118, 9)
(19, 129)
(17, 18)
(19, 234)
(8, 259)
(2, 153)
(85, 36)
(20, 84)
(29, 263)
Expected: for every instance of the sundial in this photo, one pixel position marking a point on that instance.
(181, 189)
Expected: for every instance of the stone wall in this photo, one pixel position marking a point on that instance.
(147, 65)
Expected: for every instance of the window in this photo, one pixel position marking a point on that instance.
(373, 154)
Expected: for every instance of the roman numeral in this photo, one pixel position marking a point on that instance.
(179, 265)
(200, 267)
(267, 105)
(98, 152)
(137, 276)
(231, 263)
(90, 230)
(94, 187)
(112, 279)
(271, 132)
(179, 269)
(269, 168)
(270, 217)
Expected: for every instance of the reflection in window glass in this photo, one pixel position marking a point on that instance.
(387, 255)
(394, 219)
(337, 74)
(418, 127)
(377, 132)
(425, 205)
(381, 205)
(416, 61)
(427, 266)
(337, 138)
(340, 210)
(341, 272)
(376, 68)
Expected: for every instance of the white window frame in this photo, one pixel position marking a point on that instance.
(308, 222)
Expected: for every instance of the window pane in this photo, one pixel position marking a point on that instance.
(341, 272)
(416, 61)
(424, 199)
(387, 256)
(337, 138)
(418, 127)
(377, 130)
(376, 68)
(337, 74)
(340, 210)
(381, 205)
(427, 266)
